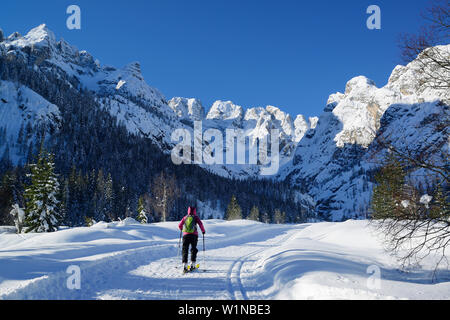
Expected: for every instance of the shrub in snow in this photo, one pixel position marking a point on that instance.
(127, 221)
(102, 225)
(89, 221)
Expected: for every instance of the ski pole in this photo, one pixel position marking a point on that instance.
(179, 245)
(204, 268)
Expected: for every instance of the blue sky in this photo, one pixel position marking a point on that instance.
(288, 53)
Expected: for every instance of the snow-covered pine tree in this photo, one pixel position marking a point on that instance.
(440, 207)
(109, 195)
(42, 212)
(254, 214)
(142, 214)
(234, 211)
(279, 217)
(389, 191)
(99, 196)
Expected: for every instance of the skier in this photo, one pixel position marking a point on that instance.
(190, 237)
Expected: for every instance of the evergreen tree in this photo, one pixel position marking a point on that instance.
(265, 217)
(234, 211)
(279, 217)
(142, 214)
(389, 192)
(109, 195)
(440, 208)
(64, 199)
(42, 212)
(99, 201)
(102, 201)
(6, 199)
(254, 214)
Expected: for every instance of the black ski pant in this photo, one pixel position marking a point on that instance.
(190, 240)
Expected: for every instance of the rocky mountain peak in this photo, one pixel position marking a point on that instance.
(225, 110)
(359, 83)
(36, 37)
(186, 108)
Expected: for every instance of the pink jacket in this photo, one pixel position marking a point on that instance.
(197, 220)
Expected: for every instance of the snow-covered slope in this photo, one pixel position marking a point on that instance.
(332, 161)
(243, 260)
(21, 109)
(20, 105)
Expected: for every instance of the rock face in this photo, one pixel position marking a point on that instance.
(255, 123)
(184, 108)
(258, 123)
(225, 110)
(333, 162)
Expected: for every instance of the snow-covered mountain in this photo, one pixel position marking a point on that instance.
(124, 92)
(255, 123)
(332, 162)
(143, 109)
(330, 158)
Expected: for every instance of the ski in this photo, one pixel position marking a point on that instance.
(197, 266)
(189, 269)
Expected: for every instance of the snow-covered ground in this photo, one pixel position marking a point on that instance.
(243, 260)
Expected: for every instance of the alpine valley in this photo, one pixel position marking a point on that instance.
(106, 123)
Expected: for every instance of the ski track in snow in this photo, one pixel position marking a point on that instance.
(235, 287)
